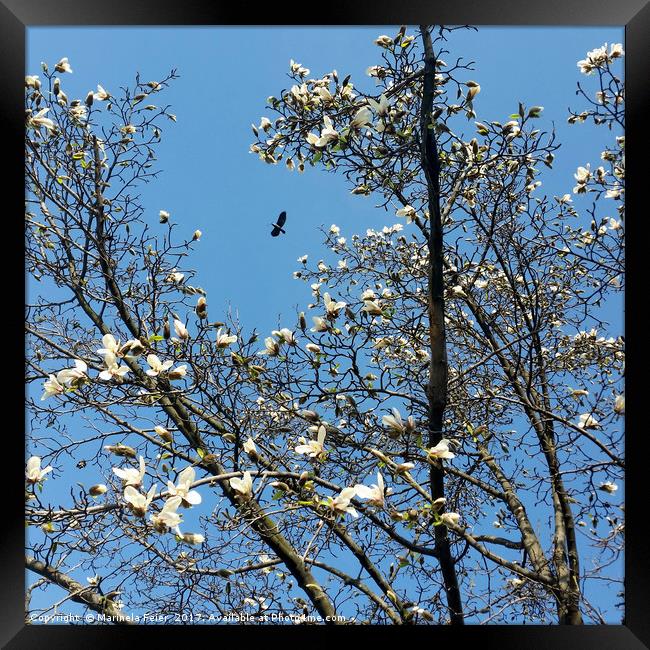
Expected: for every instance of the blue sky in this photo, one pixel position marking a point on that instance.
(210, 181)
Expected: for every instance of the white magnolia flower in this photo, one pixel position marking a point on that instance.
(441, 450)
(174, 277)
(72, 376)
(327, 134)
(314, 447)
(320, 324)
(372, 307)
(341, 503)
(450, 518)
(101, 94)
(458, 291)
(183, 488)
(376, 494)
(313, 348)
(582, 174)
(361, 118)
(243, 485)
(265, 124)
(157, 366)
(32, 81)
(516, 582)
(110, 345)
(193, 538)
(168, 517)
(619, 404)
(608, 487)
(404, 467)
(178, 372)
(334, 229)
(394, 422)
(587, 421)
(131, 475)
(324, 93)
(137, 501)
(616, 50)
(271, 347)
(297, 68)
(63, 65)
(33, 471)
(181, 330)
(381, 107)
(286, 335)
(384, 41)
(52, 386)
(249, 447)
(113, 369)
(39, 120)
(224, 340)
(331, 306)
(164, 218)
(303, 259)
(407, 211)
(132, 348)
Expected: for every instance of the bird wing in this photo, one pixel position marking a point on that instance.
(282, 218)
(275, 232)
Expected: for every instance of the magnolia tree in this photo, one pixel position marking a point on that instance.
(436, 438)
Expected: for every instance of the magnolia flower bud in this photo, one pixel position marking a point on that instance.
(97, 490)
(197, 235)
(304, 477)
(202, 308)
(89, 99)
(164, 216)
(166, 331)
(163, 433)
(121, 450)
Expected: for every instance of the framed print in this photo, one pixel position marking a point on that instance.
(325, 324)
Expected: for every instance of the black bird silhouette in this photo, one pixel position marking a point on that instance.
(277, 227)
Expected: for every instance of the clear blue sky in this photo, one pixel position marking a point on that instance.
(210, 180)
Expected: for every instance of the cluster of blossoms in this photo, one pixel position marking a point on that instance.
(178, 495)
(599, 58)
(112, 352)
(77, 110)
(67, 379)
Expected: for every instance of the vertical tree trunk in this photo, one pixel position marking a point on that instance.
(437, 387)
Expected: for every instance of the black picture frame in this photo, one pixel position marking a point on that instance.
(17, 15)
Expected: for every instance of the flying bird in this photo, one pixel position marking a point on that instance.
(277, 227)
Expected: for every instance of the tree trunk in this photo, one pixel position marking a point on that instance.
(437, 387)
